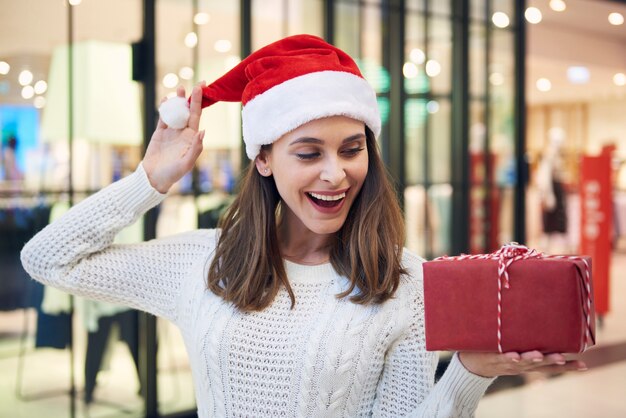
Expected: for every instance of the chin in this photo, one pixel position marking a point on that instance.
(322, 228)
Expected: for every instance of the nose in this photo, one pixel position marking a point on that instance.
(333, 172)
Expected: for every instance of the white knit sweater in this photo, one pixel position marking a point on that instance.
(327, 357)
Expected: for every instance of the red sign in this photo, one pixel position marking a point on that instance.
(597, 220)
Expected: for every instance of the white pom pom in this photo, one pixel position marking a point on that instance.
(175, 112)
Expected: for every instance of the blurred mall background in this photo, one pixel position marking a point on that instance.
(503, 121)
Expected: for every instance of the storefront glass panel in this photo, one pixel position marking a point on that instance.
(36, 322)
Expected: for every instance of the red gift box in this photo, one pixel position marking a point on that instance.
(515, 299)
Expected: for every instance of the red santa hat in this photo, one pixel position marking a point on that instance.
(285, 85)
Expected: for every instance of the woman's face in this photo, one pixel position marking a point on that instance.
(319, 169)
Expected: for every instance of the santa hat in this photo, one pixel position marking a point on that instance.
(285, 85)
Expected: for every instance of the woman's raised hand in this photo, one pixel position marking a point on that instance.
(172, 153)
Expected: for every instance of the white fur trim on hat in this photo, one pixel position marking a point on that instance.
(175, 112)
(302, 99)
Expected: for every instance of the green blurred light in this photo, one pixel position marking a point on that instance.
(383, 108)
(417, 84)
(375, 74)
(415, 113)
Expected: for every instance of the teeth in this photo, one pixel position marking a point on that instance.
(327, 197)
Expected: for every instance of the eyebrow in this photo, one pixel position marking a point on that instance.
(311, 140)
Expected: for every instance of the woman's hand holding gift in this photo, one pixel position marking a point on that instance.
(512, 363)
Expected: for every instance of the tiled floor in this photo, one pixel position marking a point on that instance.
(598, 392)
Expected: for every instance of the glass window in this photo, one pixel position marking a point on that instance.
(440, 7)
(415, 218)
(275, 19)
(439, 121)
(347, 28)
(477, 10)
(439, 207)
(415, 79)
(34, 184)
(502, 132)
(477, 64)
(504, 6)
(416, 5)
(438, 64)
(415, 115)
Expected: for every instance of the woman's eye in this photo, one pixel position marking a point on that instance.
(308, 155)
(353, 151)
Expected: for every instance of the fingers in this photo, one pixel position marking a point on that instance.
(160, 123)
(194, 151)
(195, 107)
(531, 357)
(512, 356)
(568, 366)
(535, 361)
(180, 91)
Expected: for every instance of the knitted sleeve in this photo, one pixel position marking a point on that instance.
(407, 388)
(76, 254)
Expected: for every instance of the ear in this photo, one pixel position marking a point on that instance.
(263, 164)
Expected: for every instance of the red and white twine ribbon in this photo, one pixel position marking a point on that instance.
(513, 252)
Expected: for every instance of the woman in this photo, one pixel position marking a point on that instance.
(303, 303)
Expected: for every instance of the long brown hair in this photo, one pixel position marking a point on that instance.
(247, 267)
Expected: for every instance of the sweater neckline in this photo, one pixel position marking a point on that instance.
(306, 274)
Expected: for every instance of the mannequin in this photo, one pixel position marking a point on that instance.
(553, 195)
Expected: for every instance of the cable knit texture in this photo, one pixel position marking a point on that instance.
(327, 357)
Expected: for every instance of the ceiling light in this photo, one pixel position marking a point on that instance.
(543, 84)
(201, 18)
(186, 73)
(25, 77)
(417, 56)
(39, 102)
(619, 79)
(74, 2)
(409, 70)
(4, 67)
(500, 19)
(497, 79)
(231, 61)
(170, 80)
(222, 45)
(616, 19)
(578, 74)
(41, 86)
(533, 15)
(28, 92)
(433, 68)
(558, 5)
(191, 40)
(432, 106)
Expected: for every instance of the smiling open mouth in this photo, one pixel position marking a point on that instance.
(326, 201)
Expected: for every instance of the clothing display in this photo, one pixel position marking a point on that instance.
(128, 323)
(555, 218)
(326, 356)
(17, 226)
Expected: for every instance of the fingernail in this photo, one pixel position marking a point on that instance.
(537, 360)
(582, 369)
(560, 362)
(515, 360)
